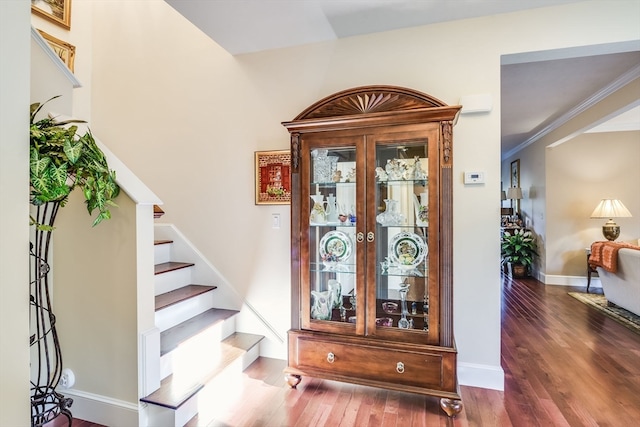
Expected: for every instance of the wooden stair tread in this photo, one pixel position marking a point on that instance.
(166, 267)
(178, 295)
(173, 396)
(162, 242)
(173, 337)
(157, 212)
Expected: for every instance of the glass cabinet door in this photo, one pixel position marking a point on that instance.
(399, 306)
(332, 202)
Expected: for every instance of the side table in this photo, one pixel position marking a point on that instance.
(590, 270)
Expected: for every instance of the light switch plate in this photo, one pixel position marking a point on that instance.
(275, 220)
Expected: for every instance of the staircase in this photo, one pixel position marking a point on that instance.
(200, 351)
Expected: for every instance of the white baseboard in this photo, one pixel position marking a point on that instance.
(483, 376)
(551, 279)
(102, 409)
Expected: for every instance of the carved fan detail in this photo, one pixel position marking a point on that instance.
(369, 100)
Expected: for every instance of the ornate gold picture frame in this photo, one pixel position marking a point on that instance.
(273, 177)
(56, 11)
(65, 51)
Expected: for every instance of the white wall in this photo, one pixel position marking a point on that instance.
(15, 34)
(190, 117)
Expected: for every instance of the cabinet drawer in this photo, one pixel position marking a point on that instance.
(370, 362)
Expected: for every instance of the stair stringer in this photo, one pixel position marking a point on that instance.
(226, 296)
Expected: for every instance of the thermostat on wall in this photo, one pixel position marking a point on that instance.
(474, 177)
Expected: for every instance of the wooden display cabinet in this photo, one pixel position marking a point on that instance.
(371, 177)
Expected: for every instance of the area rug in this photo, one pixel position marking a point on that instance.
(618, 314)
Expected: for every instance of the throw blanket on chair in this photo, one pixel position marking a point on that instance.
(605, 254)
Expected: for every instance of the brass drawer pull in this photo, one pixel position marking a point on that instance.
(360, 237)
(331, 357)
(400, 368)
(370, 236)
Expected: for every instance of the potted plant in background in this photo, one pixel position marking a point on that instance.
(518, 248)
(60, 161)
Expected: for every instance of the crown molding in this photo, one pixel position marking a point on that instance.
(617, 84)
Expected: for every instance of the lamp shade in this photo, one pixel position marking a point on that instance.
(610, 208)
(514, 193)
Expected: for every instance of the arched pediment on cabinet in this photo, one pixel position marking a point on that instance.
(369, 99)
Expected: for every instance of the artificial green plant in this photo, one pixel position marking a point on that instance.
(61, 160)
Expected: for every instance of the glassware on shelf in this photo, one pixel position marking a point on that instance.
(425, 312)
(335, 288)
(318, 214)
(421, 207)
(332, 210)
(352, 300)
(384, 321)
(390, 216)
(389, 307)
(324, 166)
(403, 323)
(321, 305)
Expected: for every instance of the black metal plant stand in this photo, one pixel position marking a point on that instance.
(46, 357)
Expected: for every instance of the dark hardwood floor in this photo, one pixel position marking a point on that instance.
(565, 364)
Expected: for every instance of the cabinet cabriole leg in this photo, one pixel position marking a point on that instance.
(451, 406)
(292, 380)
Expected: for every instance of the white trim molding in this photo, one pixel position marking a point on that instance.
(102, 409)
(553, 279)
(35, 35)
(483, 376)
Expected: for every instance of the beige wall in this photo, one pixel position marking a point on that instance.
(95, 298)
(187, 118)
(584, 170)
(533, 171)
(15, 409)
(548, 206)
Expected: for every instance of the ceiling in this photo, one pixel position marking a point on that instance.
(539, 90)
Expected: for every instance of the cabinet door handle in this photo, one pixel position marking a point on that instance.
(360, 237)
(400, 368)
(331, 357)
(370, 237)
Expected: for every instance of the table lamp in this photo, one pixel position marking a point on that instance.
(514, 193)
(610, 208)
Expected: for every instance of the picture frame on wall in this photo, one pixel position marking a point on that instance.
(515, 173)
(65, 51)
(515, 182)
(56, 11)
(273, 177)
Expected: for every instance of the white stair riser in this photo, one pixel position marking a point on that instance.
(205, 347)
(171, 280)
(171, 316)
(162, 253)
(250, 356)
(218, 394)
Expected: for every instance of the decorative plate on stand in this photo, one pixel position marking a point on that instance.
(407, 250)
(335, 246)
